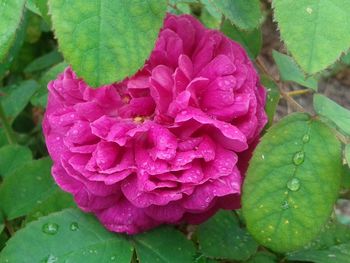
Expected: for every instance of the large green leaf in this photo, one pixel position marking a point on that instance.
(221, 237)
(245, 14)
(334, 254)
(68, 236)
(289, 71)
(106, 41)
(163, 245)
(17, 97)
(316, 32)
(332, 111)
(292, 183)
(57, 201)
(26, 187)
(11, 15)
(250, 40)
(12, 158)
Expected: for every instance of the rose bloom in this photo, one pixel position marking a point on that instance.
(167, 145)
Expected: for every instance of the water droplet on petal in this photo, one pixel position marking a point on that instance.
(306, 138)
(298, 158)
(50, 228)
(74, 226)
(293, 184)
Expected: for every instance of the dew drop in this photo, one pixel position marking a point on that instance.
(298, 158)
(49, 259)
(50, 228)
(293, 184)
(285, 205)
(306, 138)
(74, 226)
(113, 258)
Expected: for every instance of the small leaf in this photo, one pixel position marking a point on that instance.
(12, 158)
(44, 62)
(334, 254)
(292, 183)
(245, 14)
(289, 71)
(163, 245)
(106, 41)
(250, 40)
(273, 98)
(315, 32)
(221, 237)
(11, 15)
(67, 236)
(17, 97)
(40, 96)
(26, 187)
(332, 111)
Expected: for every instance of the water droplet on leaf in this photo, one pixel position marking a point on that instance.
(285, 205)
(74, 226)
(50, 259)
(293, 184)
(306, 138)
(298, 158)
(50, 228)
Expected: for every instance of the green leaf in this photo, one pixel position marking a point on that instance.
(263, 257)
(106, 41)
(12, 158)
(334, 254)
(11, 15)
(44, 10)
(44, 62)
(163, 245)
(289, 71)
(333, 112)
(315, 32)
(345, 183)
(245, 14)
(67, 236)
(292, 183)
(273, 98)
(2, 226)
(250, 40)
(347, 154)
(57, 201)
(40, 96)
(17, 97)
(333, 233)
(221, 237)
(27, 187)
(12, 53)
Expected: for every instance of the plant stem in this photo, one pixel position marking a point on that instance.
(284, 94)
(10, 135)
(298, 92)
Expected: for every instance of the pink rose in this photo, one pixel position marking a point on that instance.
(164, 145)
